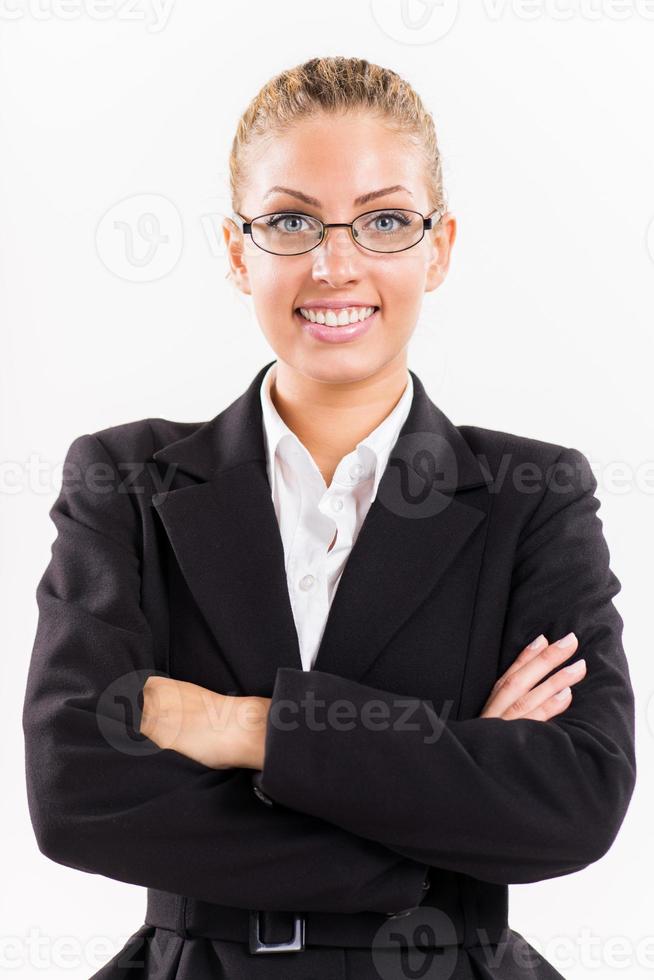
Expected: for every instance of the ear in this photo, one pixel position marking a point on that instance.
(442, 239)
(234, 241)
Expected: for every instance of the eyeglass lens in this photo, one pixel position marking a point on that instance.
(289, 233)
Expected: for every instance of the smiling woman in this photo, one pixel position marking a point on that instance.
(353, 136)
(329, 542)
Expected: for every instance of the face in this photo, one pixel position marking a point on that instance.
(335, 160)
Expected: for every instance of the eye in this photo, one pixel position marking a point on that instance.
(289, 222)
(387, 221)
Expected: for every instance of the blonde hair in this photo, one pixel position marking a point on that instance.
(334, 85)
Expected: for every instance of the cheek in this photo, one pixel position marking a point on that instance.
(401, 284)
(274, 288)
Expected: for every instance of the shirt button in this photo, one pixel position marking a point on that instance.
(355, 471)
(337, 503)
(307, 582)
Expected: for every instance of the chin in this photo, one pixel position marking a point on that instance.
(338, 366)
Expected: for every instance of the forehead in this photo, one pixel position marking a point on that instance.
(335, 159)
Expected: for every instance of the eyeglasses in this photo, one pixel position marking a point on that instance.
(293, 233)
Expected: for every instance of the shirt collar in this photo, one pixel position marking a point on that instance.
(374, 449)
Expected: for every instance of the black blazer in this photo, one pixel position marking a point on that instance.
(168, 559)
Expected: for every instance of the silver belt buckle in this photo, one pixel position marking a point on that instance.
(294, 945)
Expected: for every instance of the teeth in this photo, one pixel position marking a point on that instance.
(350, 314)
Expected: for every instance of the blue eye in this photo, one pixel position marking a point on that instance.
(397, 216)
(281, 222)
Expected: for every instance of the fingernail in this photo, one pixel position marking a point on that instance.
(560, 695)
(566, 641)
(577, 665)
(538, 642)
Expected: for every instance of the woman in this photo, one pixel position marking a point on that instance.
(305, 670)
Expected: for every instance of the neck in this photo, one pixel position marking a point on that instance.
(330, 418)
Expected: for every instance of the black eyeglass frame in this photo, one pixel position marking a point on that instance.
(427, 223)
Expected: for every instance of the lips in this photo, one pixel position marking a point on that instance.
(338, 334)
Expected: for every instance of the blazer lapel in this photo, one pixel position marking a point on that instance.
(221, 523)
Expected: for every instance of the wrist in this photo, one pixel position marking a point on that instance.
(251, 721)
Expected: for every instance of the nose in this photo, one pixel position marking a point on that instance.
(337, 259)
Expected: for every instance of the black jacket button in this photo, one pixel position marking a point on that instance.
(400, 915)
(262, 796)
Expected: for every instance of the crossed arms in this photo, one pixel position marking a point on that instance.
(357, 815)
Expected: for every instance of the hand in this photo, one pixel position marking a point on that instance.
(217, 730)
(514, 695)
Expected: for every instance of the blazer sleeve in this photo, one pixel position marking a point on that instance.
(107, 800)
(502, 801)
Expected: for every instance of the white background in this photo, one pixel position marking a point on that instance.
(543, 327)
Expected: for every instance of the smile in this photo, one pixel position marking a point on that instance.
(339, 326)
(340, 318)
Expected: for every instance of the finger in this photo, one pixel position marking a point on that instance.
(526, 654)
(518, 683)
(553, 706)
(522, 707)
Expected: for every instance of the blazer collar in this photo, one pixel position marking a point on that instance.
(220, 520)
(235, 436)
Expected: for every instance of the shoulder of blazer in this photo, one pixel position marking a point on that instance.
(492, 444)
(528, 474)
(139, 439)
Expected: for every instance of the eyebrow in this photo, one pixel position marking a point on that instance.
(363, 199)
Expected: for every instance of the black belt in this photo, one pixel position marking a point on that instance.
(461, 911)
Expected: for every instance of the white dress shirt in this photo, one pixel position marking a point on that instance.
(310, 514)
